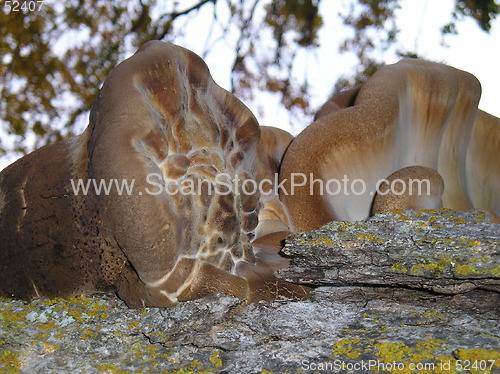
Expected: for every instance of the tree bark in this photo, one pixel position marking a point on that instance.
(446, 251)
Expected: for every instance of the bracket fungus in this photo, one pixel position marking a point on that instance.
(162, 125)
(411, 121)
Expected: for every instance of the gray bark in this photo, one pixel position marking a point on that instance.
(383, 325)
(447, 252)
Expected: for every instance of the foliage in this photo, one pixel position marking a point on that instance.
(45, 87)
(483, 11)
(367, 19)
(55, 59)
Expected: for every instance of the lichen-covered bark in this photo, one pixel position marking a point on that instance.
(339, 325)
(340, 329)
(444, 251)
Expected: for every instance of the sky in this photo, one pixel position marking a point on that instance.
(420, 21)
(472, 50)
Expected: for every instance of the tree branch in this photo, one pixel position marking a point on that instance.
(173, 16)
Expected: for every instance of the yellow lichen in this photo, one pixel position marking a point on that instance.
(346, 347)
(433, 313)
(215, 359)
(109, 368)
(399, 352)
(398, 267)
(458, 221)
(89, 334)
(133, 325)
(422, 358)
(39, 336)
(9, 362)
(467, 269)
(50, 347)
(437, 267)
(46, 325)
(369, 237)
(316, 239)
(481, 217)
(495, 271)
(478, 360)
(50, 302)
(10, 315)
